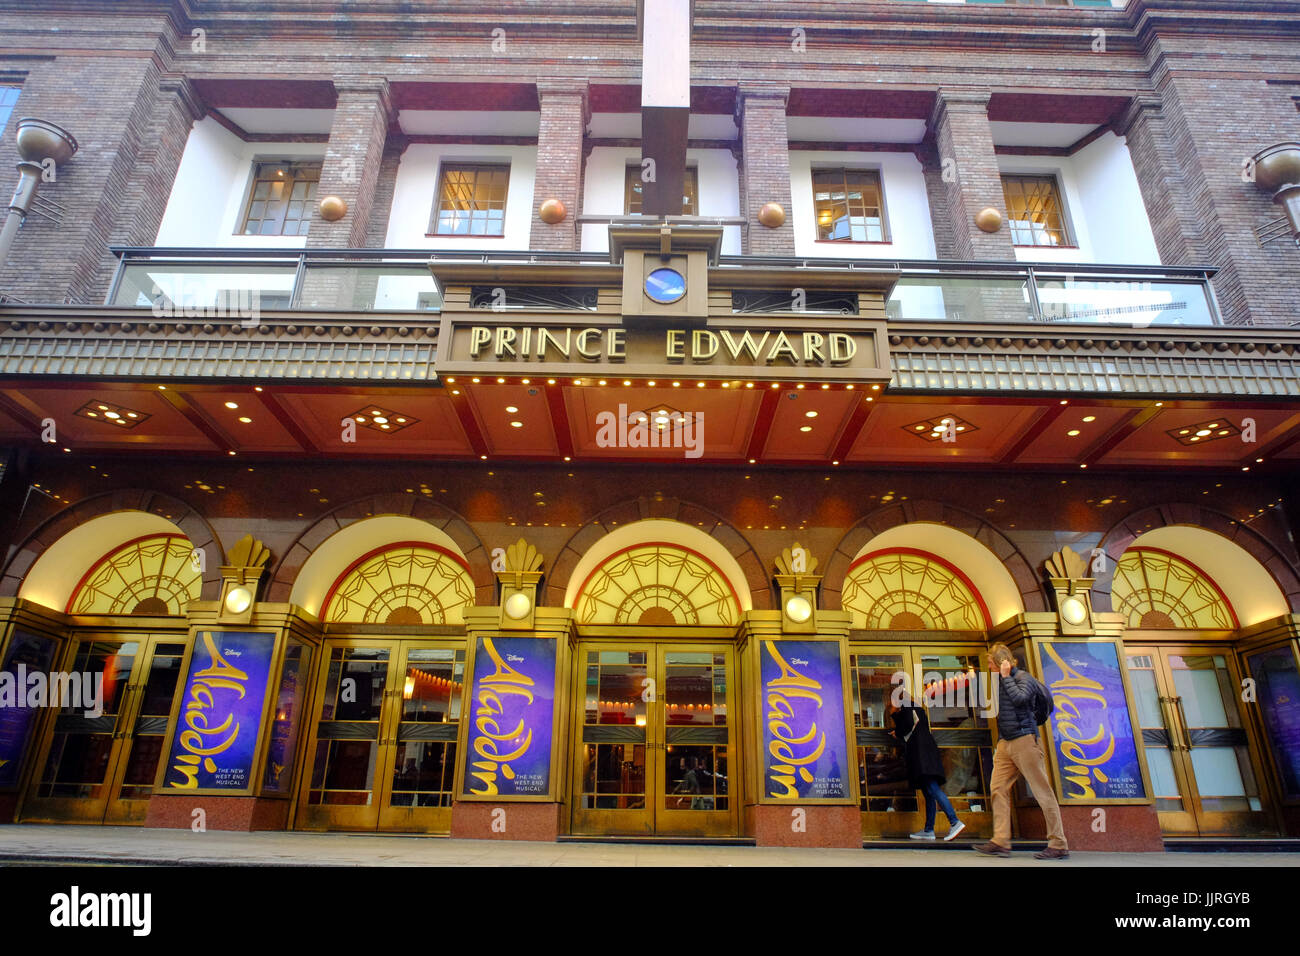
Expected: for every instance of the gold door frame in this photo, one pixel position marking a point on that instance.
(892, 825)
(1192, 820)
(378, 814)
(654, 818)
(109, 807)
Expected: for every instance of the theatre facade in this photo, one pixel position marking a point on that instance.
(384, 453)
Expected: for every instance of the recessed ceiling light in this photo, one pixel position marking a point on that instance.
(1072, 432)
(516, 424)
(810, 414)
(511, 409)
(232, 404)
(245, 419)
(1090, 418)
(805, 428)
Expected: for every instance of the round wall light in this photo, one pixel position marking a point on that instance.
(1073, 611)
(988, 219)
(518, 605)
(798, 609)
(238, 600)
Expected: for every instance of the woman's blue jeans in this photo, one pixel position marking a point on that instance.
(935, 798)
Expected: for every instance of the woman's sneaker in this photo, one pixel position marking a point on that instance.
(954, 830)
(921, 835)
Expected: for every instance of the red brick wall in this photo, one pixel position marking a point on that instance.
(560, 136)
(969, 176)
(764, 167)
(353, 160)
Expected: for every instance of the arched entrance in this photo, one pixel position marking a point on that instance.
(382, 750)
(657, 605)
(1203, 754)
(124, 580)
(919, 597)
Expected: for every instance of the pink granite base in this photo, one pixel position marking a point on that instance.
(223, 813)
(520, 821)
(1128, 829)
(822, 826)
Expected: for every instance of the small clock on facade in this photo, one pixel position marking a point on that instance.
(665, 285)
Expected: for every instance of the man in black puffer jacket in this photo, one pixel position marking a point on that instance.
(1018, 753)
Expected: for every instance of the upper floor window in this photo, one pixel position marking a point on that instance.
(8, 99)
(471, 200)
(632, 192)
(280, 202)
(849, 205)
(1034, 211)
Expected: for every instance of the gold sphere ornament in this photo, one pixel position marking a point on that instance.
(333, 208)
(552, 211)
(988, 219)
(772, 215)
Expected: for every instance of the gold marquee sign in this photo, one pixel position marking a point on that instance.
(644, 330)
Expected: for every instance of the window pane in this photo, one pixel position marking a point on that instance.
(472, 200)
(1034, 211)
(847, 205)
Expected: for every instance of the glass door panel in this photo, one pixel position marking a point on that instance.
(424, 762)
(693, 730)
(944, 681)
(889, 805)
(614, 759)
(144, 742)
(1199, 753)
(348, 737)
(100, 767)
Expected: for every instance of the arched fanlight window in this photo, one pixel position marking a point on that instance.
(156, 574)
(657, 584)
(905, 590)
(408, 583)
(1156, 589)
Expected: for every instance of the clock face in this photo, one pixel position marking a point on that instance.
(665, 285)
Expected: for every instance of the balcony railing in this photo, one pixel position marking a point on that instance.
(198, 281)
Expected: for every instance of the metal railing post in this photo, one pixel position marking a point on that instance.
(297, 281)
(1031, 283)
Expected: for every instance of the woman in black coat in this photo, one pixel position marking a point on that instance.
(924, 767)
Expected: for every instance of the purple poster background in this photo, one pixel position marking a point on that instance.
(512, 701)
(803, 697)
(1092, 731)
(35, 653)
(1279, 682)
(221, 711)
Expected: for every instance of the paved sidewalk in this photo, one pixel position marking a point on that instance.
(127, 845)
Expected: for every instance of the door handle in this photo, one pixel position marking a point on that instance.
(1182, 719)
(1166, 716)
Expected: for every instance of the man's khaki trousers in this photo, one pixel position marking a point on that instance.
(1023, 757)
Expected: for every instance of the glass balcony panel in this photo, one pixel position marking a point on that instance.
(940, 298)
(383, 287)
(1137, 302)
(205, 288)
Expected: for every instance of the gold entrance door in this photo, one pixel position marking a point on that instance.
(891, 809)
(1200, 758)
(383, 744)
(100, 768)
(654, 750)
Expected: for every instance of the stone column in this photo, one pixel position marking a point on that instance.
(969, 171)
(353, 159)
(764, 167)
(560, 136)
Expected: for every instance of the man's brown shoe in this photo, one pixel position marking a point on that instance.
(991, 849)
(1052, 854)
